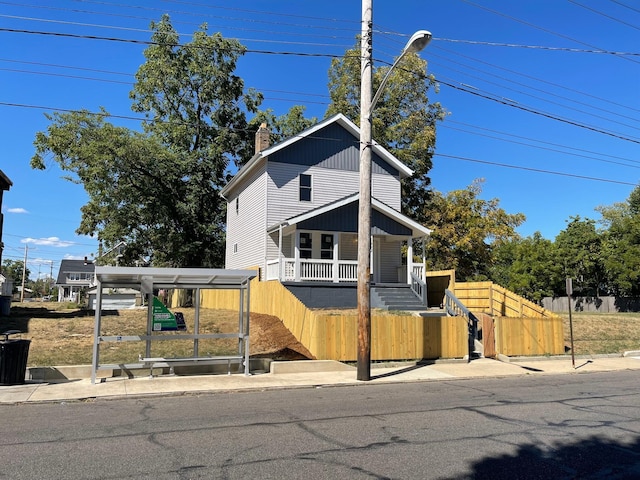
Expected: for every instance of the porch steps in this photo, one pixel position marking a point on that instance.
(396, 297)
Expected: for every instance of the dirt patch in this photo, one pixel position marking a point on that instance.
(268, 337)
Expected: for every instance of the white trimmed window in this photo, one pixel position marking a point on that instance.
(306, 247)
(326, 246)
(305, 187)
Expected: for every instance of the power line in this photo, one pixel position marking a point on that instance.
(177, 21)
(549, 101)
(510, 103)
(546, 30)
(541, 147)
(541, 141)
(539, 47)
(536, 79)
(536, 170)
(626, 6)
(149, 42)
(598, 12)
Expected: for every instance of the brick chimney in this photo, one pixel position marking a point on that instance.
(262, 138)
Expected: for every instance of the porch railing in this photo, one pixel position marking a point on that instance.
(312, 270)
(419, 287)
(417, 269)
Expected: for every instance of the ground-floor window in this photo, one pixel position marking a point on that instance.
(326, 246)
(306, 245)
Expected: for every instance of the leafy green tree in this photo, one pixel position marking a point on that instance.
(621, 245)
(404, 121)
(465, 230)
(526, 266)
(159, 190)
(579, 252)
(13, 269)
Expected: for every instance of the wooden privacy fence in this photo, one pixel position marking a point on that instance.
(529, 336)
(521, 327)
(393, 337)
(334, 336)
(487, 297)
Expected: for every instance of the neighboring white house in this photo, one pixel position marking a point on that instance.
(292, 210)
(73, 277)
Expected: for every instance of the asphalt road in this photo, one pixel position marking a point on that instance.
(545, 427)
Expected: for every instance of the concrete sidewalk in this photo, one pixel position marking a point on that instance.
(305, 374)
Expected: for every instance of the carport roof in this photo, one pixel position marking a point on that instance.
(173, 277)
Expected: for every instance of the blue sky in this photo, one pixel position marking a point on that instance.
(543, 95)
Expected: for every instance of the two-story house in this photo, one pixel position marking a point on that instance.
(292, 210)
(74, 276)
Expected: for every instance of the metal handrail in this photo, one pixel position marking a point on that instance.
(455, 308)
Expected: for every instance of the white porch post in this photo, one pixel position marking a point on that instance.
(424, 259)
(297, 256)
(336, 263)
(280, 276)
(409, 259)
(373, 266)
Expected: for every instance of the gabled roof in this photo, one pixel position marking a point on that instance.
(5, 183)
(341, 120)
(375, 204)
(75, 266)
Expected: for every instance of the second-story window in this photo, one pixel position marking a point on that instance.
(305, 187)
(237, 205)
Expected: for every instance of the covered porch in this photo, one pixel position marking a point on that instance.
(322, 246)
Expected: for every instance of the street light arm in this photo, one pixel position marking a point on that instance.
(416, 43)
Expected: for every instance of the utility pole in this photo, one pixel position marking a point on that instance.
(364, 204)
(24, 272)
(50, 277)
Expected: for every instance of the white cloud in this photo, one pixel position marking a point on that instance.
(40, 261)
(49, 242)
(73, 257)
(17, 210)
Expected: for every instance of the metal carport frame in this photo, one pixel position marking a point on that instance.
(147, 279)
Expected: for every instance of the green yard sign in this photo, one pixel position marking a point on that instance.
(163, 319)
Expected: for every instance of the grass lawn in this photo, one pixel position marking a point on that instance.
(62, 334)
(597, 333)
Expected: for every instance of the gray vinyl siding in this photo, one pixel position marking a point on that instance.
(332, 147)
(247, 228)
(327, 186)
(389, 261)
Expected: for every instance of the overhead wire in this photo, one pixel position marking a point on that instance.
(546, 30)
(542, 99)
(303, 54)
(626, 6)
(536, 79)
(610, 17)
(530, 169)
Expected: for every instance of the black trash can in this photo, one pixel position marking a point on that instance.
(13, 359)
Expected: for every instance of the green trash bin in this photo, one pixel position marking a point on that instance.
(13, 359)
